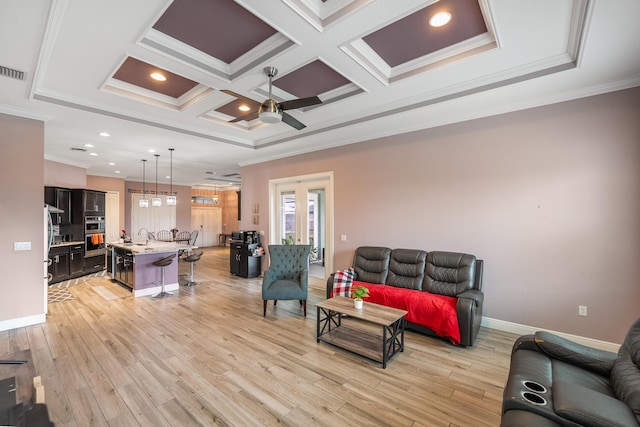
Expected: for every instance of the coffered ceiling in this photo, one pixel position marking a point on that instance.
(378, 67)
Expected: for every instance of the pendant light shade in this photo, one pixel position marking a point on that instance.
(143, 203)
(156, 201)
(171, 198)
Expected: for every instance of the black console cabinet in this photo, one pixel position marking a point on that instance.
(242, 261)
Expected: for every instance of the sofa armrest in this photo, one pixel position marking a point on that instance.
(589, 358)
(330, 285)
(469, 311)
(588, 407)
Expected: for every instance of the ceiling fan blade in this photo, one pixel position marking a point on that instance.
(247, 117)
(292, 121)
(299, 103)
(242, 97)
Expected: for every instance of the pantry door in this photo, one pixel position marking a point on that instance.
(208, 222)
(302, 213)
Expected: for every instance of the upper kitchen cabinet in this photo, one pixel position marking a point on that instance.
(87, 203)
(61, 199)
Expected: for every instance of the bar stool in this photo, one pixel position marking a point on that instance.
(192, 259)
(162, 263)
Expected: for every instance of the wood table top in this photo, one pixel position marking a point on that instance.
(374, 313)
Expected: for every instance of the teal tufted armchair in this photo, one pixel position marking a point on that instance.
(288, 275)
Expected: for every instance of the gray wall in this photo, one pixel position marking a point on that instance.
(548, 197)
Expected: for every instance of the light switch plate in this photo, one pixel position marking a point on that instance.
(21, 246)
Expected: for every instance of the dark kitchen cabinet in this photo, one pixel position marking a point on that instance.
(242, 262)
(94, 202)
(59, 264)
(61, 199)
(124, 263)
(94, 263)
(87, 203)
(76, 260)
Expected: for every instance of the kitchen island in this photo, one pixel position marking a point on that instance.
(132, 265)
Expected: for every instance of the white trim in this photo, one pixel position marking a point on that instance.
(516, 328)
(21, 322)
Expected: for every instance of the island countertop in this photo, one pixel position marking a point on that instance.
(153, 246)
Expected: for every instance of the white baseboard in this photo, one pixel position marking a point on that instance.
(520, 329)
(21, 322)
(155, 289)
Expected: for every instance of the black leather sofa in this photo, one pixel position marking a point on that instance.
(445, 273)
(556, 382)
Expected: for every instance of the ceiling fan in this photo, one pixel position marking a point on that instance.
(271, 111)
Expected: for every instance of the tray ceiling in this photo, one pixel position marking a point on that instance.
(378, 66)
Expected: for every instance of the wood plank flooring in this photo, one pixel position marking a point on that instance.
(207, 357)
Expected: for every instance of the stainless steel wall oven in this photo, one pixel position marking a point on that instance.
(94, 236)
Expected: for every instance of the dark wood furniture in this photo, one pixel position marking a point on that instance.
(242, 261)
(358, 330)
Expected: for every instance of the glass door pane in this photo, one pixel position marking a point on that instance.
(288, 223)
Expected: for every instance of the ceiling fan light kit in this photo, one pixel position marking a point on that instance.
(271, 111)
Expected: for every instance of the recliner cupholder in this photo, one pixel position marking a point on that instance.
(534, 398)
(534, 386)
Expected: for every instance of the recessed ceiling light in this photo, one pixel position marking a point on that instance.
(168, 177)
(93, 154)
(117, 171)
(88, 145)
(151, 150)
(440, 19)
(112, 164)
(244, 108)
(158, 76)
(105, 134)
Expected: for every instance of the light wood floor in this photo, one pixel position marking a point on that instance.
(207, 356)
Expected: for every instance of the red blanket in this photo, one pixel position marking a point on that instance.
(436, 312)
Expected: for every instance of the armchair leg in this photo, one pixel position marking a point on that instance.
(304, 307)
(264, 307)
(275, 301)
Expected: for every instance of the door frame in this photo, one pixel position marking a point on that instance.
(320, 177)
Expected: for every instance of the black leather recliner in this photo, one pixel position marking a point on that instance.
(556, 382)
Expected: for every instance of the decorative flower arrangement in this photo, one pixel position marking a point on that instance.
(359, 292)
(123, 234)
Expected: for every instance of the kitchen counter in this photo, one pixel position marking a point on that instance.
(153, 246)
(132, 265)
(71, 243)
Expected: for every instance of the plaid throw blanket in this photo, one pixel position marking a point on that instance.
(342, 281)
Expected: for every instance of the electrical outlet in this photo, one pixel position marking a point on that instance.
(343, 237)
(582, 310)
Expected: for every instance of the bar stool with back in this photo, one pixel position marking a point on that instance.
(162, 263)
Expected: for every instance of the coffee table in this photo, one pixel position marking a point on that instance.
(358, 330)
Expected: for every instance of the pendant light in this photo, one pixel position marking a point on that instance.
(215, 194)
(171, 198)
(143, 203)
(156, 201)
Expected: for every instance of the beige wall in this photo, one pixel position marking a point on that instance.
(548, 197)
(65, 176)
(21, 220)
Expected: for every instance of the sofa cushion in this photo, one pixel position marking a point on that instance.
(371, 264)
(406, 268)
(625, 375)
(436, 312)
(449, 273)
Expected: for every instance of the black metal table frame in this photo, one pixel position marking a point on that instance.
(390, 346)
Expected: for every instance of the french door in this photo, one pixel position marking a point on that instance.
(302, 213)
